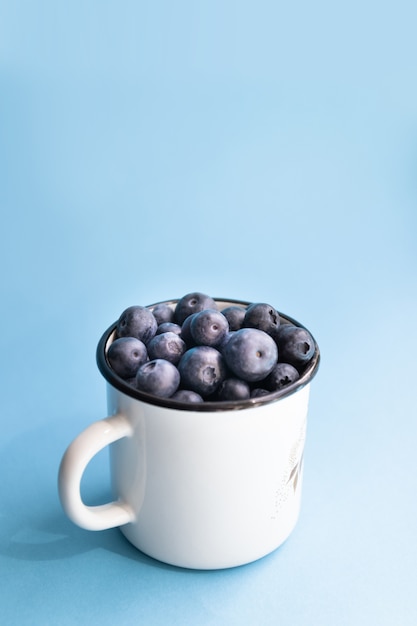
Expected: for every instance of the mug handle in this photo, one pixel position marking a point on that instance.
(74, 462)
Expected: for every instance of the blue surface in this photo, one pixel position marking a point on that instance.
(249, 150)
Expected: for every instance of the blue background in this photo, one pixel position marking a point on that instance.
(258, 151)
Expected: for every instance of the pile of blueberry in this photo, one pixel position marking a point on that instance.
(195, 352)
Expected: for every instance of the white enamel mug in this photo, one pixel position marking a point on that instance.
(202, 486)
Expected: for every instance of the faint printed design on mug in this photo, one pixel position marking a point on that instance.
(291, 478)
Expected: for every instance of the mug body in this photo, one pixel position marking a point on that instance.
(210, 489)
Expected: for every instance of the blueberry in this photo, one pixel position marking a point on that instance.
(262, 316)
(234, 315)
(158, 377)
(125, 355)
(168, 346)
(168, 327)
(209, 328)
(186, 331)
(250, 354)
(186, 395)
(282, 375)
(137, 321)
(280, 332)
(163, 313)
(224, 341)
(282, 329)
(192, 303)
(259, 392)
(295, 345)
(202, 369)
(233, 389)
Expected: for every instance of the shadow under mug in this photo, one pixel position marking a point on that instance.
(202, 486)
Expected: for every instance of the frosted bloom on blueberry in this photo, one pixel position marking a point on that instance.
(158, 377)
(250, 354)
(137, 321)
(126, 355)
(192, 303)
